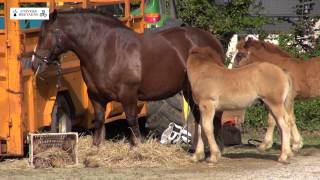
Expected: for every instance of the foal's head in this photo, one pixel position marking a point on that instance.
(262, 50)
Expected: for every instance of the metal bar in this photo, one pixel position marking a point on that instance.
(33, 1)
(107, 1)
(71, 1)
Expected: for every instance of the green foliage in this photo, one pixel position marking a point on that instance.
(307, 115)
(256, 116)
(289, 43)
(223, 21)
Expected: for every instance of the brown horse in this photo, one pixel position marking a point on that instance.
(216, 88)
(119, 64)
(305, 74)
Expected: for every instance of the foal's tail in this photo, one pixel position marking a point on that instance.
(289, 101)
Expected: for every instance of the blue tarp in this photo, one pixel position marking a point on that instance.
(24, 24)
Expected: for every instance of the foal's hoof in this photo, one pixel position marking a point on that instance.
(197, 157)
(214, 157)
(296, 146)
(290, 154)
(212, 160)
(264, 146)
(284, 158)
(283, 161)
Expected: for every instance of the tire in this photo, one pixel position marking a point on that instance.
(161, 113)
(61, 116)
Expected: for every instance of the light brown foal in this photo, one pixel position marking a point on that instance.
(215, 88)
(305, 76)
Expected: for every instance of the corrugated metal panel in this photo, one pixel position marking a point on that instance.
(287, 7)
(279, 7)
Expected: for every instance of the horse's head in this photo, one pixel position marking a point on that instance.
(243, 52)
(51, 44)
(263, 51)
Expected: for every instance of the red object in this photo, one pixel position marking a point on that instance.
(231, 122)
(152, 17)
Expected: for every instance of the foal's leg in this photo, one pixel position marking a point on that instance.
(207, 109)
(99, 112)
(282, 119)
(199, 153)
(129, 100)
(296, 137)
(268, 139)
(197, 137)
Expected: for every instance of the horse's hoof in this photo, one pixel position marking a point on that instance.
(96, 143)
(136, 142)
(297, 146)
(264, 146)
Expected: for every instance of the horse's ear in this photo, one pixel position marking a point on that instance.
(248, 42)
(53, 15)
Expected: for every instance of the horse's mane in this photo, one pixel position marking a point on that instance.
(207, 54)
(266, 45)
(93, 12)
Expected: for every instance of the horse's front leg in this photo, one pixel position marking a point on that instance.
(129, 102)
(99, 112)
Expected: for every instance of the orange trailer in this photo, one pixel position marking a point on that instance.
(29, 104)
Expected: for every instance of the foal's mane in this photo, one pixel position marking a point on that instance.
(271, 48)
(207, 54)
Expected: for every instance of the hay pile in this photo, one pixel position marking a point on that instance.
(53, 157)
(119, 154)
(110, 155)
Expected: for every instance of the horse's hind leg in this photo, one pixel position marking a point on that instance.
(268, 139)
(207, 109)
(282, 118)
(99, 112)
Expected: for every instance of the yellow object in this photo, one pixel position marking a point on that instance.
(26, 102)
(186, 109)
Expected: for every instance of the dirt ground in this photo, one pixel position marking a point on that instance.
(237, 163)
(248, 165)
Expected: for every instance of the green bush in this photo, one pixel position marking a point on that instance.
(307, 115)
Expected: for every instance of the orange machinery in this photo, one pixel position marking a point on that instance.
(26, 102)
